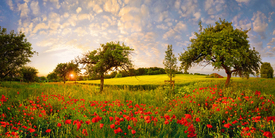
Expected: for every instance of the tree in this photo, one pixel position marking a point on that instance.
(266, 70)
(43, 79)
(223, 47)
(52, 77)
(111, 56)
(64, 70)
(15, 52)
(170, 63)
(29, 74)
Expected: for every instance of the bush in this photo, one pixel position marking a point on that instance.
(215, 75)
(119, 75)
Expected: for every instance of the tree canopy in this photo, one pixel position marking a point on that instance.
(110, 57)
(266, 70)
(63, 70)
(29, 74)
(170, 63)
(15, 52)
(223, 47)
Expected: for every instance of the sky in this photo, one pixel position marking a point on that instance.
(61, 30)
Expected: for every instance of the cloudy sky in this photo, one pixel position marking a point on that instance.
(60, 30)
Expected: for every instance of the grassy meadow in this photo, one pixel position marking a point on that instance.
(197, 107)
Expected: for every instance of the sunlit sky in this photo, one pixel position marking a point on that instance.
(60, 30)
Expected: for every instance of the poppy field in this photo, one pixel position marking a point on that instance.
(201, 110)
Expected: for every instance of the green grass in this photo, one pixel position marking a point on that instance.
(207, 100)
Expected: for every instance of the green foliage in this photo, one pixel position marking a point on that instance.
(118, 75)
(43, 79)
(223, 47)
(64, 70)
(111, 56)
(266, 70)
(15, 52)
(170, 62)
(29, 74)
(215, 75)
(52, 77)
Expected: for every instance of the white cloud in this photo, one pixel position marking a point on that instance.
(162, 26)
(66, 31)
(96, 7)
(243, 1)
(270, 15)
(78, 10)
(35, 7)
(259, 24)
(150, 36)
(23, 8)
(39, 27)
(162, 16)
(274, 32)
(271, 42)
(177, 4)
(273, 49)
(56, 2)
(9, 2)
(197, 15)
(111, 21)
(180, 26)
(72, 20)
(66, 15)
(80, 31)
(169, 33)
(84, 16)
(213, 6)
(189, 7)
(54, 17)
(111, 6)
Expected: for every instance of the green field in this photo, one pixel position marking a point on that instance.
(197, 107)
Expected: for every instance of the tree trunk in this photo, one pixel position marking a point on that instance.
(228, 79)
(101, 82)
(64, 80)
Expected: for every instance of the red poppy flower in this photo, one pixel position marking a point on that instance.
(129, 127)
(101, 125)
(48, 130)
(133, 131)
(268, 134)
(209, 126)
(59, 124)
(198, 119)
(69, 121)
(112, 126)
(84, 132)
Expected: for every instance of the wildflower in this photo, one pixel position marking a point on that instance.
(84, 132)
(58, 124)
(166, 122)
(133, 131)
(227, 125)
(112, 126)
(268, 134)
(129, 127)
(209, 126)
(101, 125)
(88, 122)
(198, 119)
(111, 119)
(48, 130)
(68, 121)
